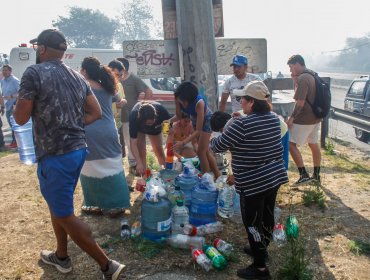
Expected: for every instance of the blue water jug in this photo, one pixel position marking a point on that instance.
(24, 137)
(156, 219)
(203, 207)
(186, 181)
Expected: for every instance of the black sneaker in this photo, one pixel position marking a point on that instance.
(248, 251)
(252, 272)
(316, 178)
(303, 179)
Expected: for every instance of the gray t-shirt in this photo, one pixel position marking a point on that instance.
(59, 94)
(133, 86)
(234, 83)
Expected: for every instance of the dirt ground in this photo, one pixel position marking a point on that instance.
(25, 228)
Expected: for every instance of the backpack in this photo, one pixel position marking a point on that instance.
(322, 101)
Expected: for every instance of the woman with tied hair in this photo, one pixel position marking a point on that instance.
(189, 101)
(102, 177)
(146, 118)
(258, 167)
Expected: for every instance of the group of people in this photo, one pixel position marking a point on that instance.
(76, 137)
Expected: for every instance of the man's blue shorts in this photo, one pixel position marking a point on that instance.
(58, 176)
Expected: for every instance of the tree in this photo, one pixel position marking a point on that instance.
(87, 28)
(136, 22)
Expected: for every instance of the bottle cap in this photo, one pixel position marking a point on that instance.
(180, 202)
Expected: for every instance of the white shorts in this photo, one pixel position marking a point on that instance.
(304, 133)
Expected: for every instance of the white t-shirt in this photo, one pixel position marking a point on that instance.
(234, 83)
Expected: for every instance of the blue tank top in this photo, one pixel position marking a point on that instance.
(190, 110)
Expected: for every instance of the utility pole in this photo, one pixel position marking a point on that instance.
(197, 51)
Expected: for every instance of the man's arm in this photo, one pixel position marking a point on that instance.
(92, 109)
(148, 94)
(2, 110)
(23, 111)
(224, 97)
(296, 111)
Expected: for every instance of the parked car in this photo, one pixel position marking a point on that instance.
(357, 100)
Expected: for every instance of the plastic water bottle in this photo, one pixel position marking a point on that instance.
(176, 194)
(278, 234)
(277, 214)
(136, 228)
(180, 217)
(218, 260)
(203, 209)
(221, 181)
(202, 260)
(156, 219)
(237, 216)
(292, 228)
(186, 181)
(125, 229)
(168, 176)
(24, 137)
(223, 247)
(185, 242)
(203, 229)
(226, 199)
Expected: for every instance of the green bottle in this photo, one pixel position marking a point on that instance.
(218, 260)
(291, 227)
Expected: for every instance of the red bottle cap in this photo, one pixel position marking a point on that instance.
(215, 243)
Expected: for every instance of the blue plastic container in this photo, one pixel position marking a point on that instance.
(203, 205)
(187, 181)
(24, 137)
(156, 219)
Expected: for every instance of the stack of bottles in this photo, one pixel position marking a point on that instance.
(169, 156)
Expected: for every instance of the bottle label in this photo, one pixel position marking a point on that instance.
(212, 252)
(164, 225)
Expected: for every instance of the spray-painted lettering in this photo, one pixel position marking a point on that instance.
(151, 57)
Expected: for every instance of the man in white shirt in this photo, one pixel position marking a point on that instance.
(240, 79)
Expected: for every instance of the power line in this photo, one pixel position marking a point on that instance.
(364, 44)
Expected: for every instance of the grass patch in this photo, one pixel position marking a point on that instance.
(359, 247)
(6, 153)
(314, 195)
(330, 147)
(295, 261)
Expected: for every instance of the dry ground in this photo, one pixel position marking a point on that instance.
(25, 228)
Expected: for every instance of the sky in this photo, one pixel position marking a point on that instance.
(309, 28)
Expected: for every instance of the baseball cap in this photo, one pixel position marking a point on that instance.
(52, 38)
(255, 89)
(239, 60)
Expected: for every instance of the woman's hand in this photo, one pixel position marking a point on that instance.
(121, 103)
(230, 180)
(236, 115)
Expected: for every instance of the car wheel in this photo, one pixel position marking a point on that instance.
(362, 135)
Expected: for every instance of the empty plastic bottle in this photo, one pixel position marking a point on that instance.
(221, 181)
(237, 216)
(292, 228)
(226, 199)
(218, 260)
(186, 181)
(203, 229)
(277, 214)
(184, 241)
(223, 247)
(24, 137)
(125, 229)
(136, 228)
(180, 217)
(176, 194)
(202, 260)
(278, 234)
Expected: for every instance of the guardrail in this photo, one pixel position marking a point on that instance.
(355, 119)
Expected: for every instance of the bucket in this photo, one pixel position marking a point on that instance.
(24, 137)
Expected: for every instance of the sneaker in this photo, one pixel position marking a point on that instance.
(252, 272)
(248, 251)
(13, 145)
(51, 258)
(115, 269)
(316, 178)
(303, 179)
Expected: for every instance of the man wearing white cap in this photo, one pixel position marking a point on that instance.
(238, 81)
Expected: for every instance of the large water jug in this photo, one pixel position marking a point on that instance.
(186, 181)
(24, 137)
(168, 176)
(237, 216)
(203, 207)
(156, 219)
